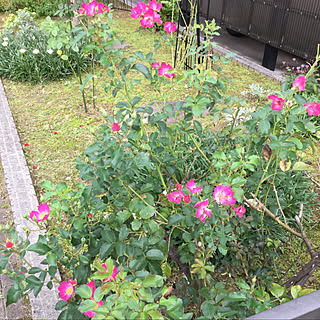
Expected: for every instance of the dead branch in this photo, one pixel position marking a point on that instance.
(259, 206)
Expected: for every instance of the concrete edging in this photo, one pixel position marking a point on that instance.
(23, 199)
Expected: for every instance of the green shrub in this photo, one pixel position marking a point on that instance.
(40, 7)
(25, 56)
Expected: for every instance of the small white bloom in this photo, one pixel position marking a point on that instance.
(35, 51)
(164, 192)
(22, 50)
(4, 43)
(5, 39)
(33, 38)
(50, 51)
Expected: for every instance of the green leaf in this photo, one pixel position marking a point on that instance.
(237, 296)
(305, 291)
(34, 270)
(84, 291)
(86, 80)
(61, 187)
(153, 281)
(64, 57)
(105, 250)
(175, 219)
(136, 224)
(143, 69)
(13, 295)
(124, 232)
(264, 126)
(155, 255)
(277, 290)
(61, 304)
(295, 290)
(52, 259)
(166, 269)
(300, 99)
(48, 185)
(34, 281)
(147, 212)
(209, 308)
(83, 259)
(238, 194)
(39, 248)
(87, 305)
(243, 285)
(238, 181)
(154, 315)
(133, 304)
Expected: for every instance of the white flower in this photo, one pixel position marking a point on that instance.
(5, 39)
(35, 51)
(22, 50)
(50, 51)
(4, 43)
(33, 38)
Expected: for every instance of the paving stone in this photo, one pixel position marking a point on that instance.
(23, 199)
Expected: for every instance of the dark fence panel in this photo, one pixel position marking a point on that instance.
(125, 5)
(290, 25)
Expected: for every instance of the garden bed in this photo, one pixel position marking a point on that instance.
(136, 209)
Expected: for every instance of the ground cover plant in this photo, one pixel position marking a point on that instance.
(163, 191)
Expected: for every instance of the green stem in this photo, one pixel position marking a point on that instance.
(198, 148)
(161, 178)
(93, 88)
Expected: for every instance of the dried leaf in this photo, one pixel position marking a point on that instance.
(266, 152)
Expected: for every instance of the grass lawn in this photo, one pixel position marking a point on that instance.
(42, 110)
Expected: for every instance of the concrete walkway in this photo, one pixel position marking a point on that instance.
(22, 198)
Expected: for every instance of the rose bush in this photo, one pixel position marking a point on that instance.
(166, 197)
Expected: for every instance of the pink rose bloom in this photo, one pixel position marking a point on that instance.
(114, 273)
(299, 83)
(163, 70)
(313, 108)
(115, 126)
(277, 102)
(138, 10)
(224, 195)
(91, 313)
(155, 6)
(9, 244)
(66, 289)
(239, 210)
(156, 18)
(146, 23)
(186, 199)
(179, 186)
(192, 187)
(42, 213)
(170, 27)
(202, 212)
(175, 196)
(156, 65)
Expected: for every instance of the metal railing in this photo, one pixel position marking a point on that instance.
(304, 308)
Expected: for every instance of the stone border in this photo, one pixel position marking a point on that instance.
(23, 199)
(250, 64)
